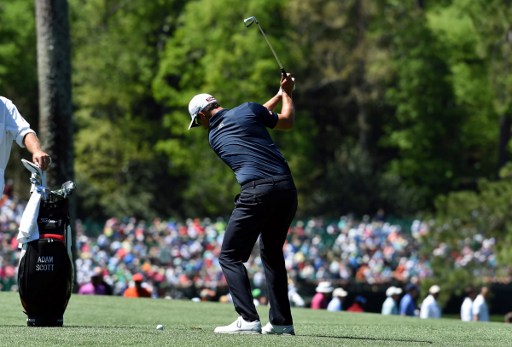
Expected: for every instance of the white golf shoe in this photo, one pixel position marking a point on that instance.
(278, 329)
(240, 326)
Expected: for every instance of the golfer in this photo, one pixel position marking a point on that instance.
(265, 206)
(13, 127)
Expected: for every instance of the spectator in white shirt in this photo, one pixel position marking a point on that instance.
(336, 303)
(429, 307)
(390, 305)
(466, 309)
(480, 308)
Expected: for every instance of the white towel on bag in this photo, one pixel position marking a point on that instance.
(29, 231)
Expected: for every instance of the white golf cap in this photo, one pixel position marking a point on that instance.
(196, 105)
(393, 291)
(434, 289)
(339, 292)
(390, 291)
(324, 287)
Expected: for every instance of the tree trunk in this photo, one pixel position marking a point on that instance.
(55, 106)
(54, 72)
(360, 84)
(503, 153)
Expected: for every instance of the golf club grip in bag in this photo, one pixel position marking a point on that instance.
(45, 272)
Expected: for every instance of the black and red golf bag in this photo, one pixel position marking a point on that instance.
(45, 273)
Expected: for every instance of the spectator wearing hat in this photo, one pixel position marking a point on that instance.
(358, 304)
(408, 302)
(466, 309)
(390, 305)
(137, 290)
(336, 303)
(323, 296)
(430, 307)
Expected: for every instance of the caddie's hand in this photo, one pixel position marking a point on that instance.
(42, 159)
(287, 84)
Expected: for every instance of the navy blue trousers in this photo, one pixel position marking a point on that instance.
(265, 209)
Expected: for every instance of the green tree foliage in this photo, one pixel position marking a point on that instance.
(18, 67)
(397, 102)
(492, 24)
(442, 107)
(118, 121)
(344, 49)
(470, 68)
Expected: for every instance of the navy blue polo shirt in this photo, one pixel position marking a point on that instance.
(240, 138)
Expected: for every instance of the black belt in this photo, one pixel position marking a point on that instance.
(273, 179)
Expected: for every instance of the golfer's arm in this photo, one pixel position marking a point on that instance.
(272, 103)
(286, 118)
(32, 143)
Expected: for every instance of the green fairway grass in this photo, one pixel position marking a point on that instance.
(118, 321)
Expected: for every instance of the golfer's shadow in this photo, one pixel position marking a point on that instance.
(368, 338)
(75, 326)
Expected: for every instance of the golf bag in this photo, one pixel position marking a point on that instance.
(45, 273)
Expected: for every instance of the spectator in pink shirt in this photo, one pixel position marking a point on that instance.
(323, 296)
(97, 286)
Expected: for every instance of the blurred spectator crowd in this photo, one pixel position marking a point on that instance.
(180, 259)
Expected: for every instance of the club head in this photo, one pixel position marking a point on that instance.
(249, 21)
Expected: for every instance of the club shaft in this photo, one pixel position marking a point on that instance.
(272, 49)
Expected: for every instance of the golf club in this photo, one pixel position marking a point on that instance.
(248, 22)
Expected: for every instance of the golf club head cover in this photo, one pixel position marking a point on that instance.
(45, 273)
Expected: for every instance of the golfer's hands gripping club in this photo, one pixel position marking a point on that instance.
(287, 84)
(42, 159)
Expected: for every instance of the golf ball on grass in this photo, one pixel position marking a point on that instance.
(159, 327)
